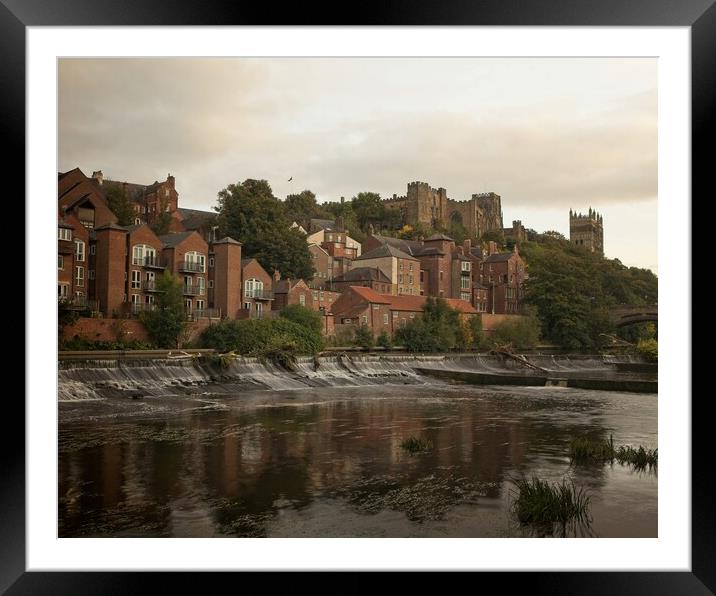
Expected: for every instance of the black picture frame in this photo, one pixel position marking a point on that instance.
(16, 15)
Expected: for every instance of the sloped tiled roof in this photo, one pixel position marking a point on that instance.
(227, 240)
(407, 246)
(440, 237)
(172, 240)
(499, 257)
(370, 295)
(364, 273)
(386, 250)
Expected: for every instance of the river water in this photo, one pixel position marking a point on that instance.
(328, 462)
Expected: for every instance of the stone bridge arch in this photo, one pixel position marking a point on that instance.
(626, 314)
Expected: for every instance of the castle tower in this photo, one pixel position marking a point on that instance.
(587, 230)
(491, 206)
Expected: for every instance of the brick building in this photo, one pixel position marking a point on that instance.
(402, 269)
(257, 290)
(369, 277)
(504, 274)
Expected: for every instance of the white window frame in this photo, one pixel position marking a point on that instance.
(79, 276)
(64, 234)
(201, 284)
(196, 257)
(79, 250)
(302, 300)
(253, 287)
(63, 290)
(136, 281)
(61, 262)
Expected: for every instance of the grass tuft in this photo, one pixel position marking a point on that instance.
(543, 504)
(416, 445)
(586, 450)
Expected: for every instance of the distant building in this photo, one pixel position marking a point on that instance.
(587, 231)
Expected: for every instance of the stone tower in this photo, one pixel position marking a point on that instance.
(491, 206)
(587, 230)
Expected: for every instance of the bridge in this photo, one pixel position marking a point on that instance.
(626, 314)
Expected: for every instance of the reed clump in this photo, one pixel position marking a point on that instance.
(541, 503)
(587, 450)
(416, 445)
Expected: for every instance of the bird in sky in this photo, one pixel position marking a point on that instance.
(291, 178)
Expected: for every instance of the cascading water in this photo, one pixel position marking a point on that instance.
(100, 379)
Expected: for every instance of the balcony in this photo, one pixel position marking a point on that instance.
(154, 263)
(150, 286)
(194, 290)
(259, 294)
(140, 307)
(204, 313)
(78, 303)
(191, 267)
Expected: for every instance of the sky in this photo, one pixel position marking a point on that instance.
(546, 134)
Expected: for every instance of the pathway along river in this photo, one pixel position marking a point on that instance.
(203, 454)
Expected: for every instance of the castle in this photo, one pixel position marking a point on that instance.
(432, 207)
(587, 230)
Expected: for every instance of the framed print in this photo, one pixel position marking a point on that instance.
(577, 98)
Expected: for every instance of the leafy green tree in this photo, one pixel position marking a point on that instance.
(167, 323)
(519, 332)
(369, 209)
(302, 207)
(304, 316)
(494, 236)
(119, 204)
(384, 340)
(250, 213)
(440, 329)
(363, 337)
(162, 224)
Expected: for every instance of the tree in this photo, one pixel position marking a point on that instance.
(119, 204)
(519, 332)
(440, 329)
(369, 209)
(249, 213)
(363, 337)
(305, 317)
(302, 207)
(494, 236)
(167, 322)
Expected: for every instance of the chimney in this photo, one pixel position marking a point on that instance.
(170, 180)
(98, 177)
(491, 247)
(276, 275)
(460, 250)
(468, 246)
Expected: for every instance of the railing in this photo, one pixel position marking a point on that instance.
(191, 266)
(154, 262)
(150, 286)
(137, 307)
(194, 290)
(79, 302)
(204, 313)
(259, 294)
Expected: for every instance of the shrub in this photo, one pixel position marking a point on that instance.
(303, 316)
(363, 337)
(384, 340)
(258, 337)
(520, 332)
(649, 349)
(440, 329)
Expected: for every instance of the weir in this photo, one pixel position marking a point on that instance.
(136, 377)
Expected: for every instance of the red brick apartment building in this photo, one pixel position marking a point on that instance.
(359, 305)
(112, 270)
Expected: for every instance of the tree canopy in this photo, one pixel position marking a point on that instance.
(167, 322)
(250, 213)
(119, 204)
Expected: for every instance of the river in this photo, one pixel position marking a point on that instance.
(327, 461)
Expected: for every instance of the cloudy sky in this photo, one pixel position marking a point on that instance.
(547, 134)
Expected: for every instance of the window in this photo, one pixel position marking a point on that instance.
(199, 305)
(149, 277)
(253, 288)
(64, 234)
(247, 306)
(60, 262)
(401, 265)
(410, 268)
(79, 250)
(466, 266)
(135, 298)
(302, 300)
(93, 249)
(166, 194)
(465, 296)
(412, 315)
(195, 261)
(149, 299)
(395, 314)
(441, 276)
(136, 279)
(211, 261)
(259, 310)
(410, 280)
(62, 290)
(385, 319)
(365, 319)
(143, 254)
(211, 284)
(187, 304)
(91, 273)
(137, 221)
(201, 284)
(79, 276)
(315, 295)
(376, 307)
(465, 283)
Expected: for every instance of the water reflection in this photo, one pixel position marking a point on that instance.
(319, 464)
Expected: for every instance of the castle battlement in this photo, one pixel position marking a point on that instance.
(587, 230)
